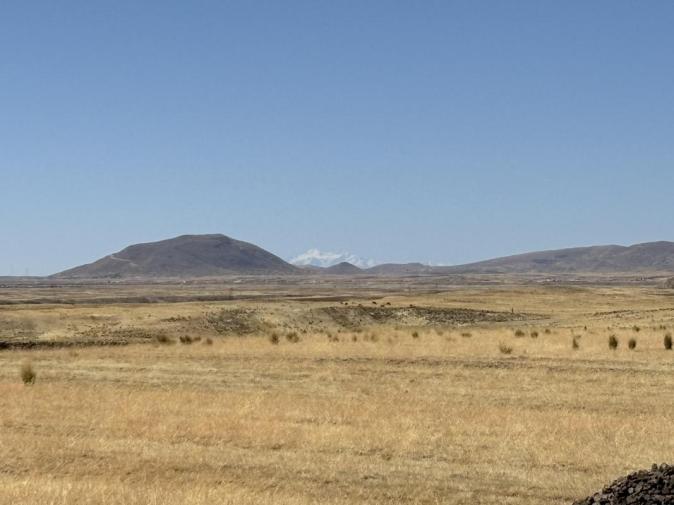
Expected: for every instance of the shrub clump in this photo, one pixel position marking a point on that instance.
(613, 342)
(519, 333)
(293, 337)
(574, 344)
(632, 344)
(274, 338)
(668, 341)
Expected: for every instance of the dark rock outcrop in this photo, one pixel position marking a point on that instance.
(654, 487)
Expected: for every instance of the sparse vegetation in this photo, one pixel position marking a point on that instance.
(292, 337)
(632, 343)
(613, 342)
(574, 344)
(534, 334)
(668, 341)
(274, 338)
(519, 333)
(415, 334)
(466, 334)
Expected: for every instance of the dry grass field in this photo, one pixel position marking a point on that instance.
(403, 399)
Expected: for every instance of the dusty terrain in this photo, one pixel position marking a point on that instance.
(372, 394)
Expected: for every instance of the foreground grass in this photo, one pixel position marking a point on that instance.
(441, 418)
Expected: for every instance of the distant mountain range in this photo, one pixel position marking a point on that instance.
(216, 255)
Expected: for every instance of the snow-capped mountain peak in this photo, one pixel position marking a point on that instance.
(318, 258)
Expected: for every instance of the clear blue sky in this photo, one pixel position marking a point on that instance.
(433, 131)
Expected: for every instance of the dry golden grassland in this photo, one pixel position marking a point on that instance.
(401, 411)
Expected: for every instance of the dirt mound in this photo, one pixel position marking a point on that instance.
(654, 487)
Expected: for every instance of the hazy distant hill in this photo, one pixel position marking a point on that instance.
(184, 256)
(652, 256)
(343, 268)
(400, 269)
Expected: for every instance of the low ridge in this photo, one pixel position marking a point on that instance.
(647, 257)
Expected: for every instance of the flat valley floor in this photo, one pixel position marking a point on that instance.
(463, 396)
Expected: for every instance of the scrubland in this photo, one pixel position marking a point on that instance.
(387, 399)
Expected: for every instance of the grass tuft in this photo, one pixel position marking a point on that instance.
(162, 338)
(505, 349)
(28, 374)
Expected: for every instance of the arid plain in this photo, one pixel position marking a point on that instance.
(337, 392)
